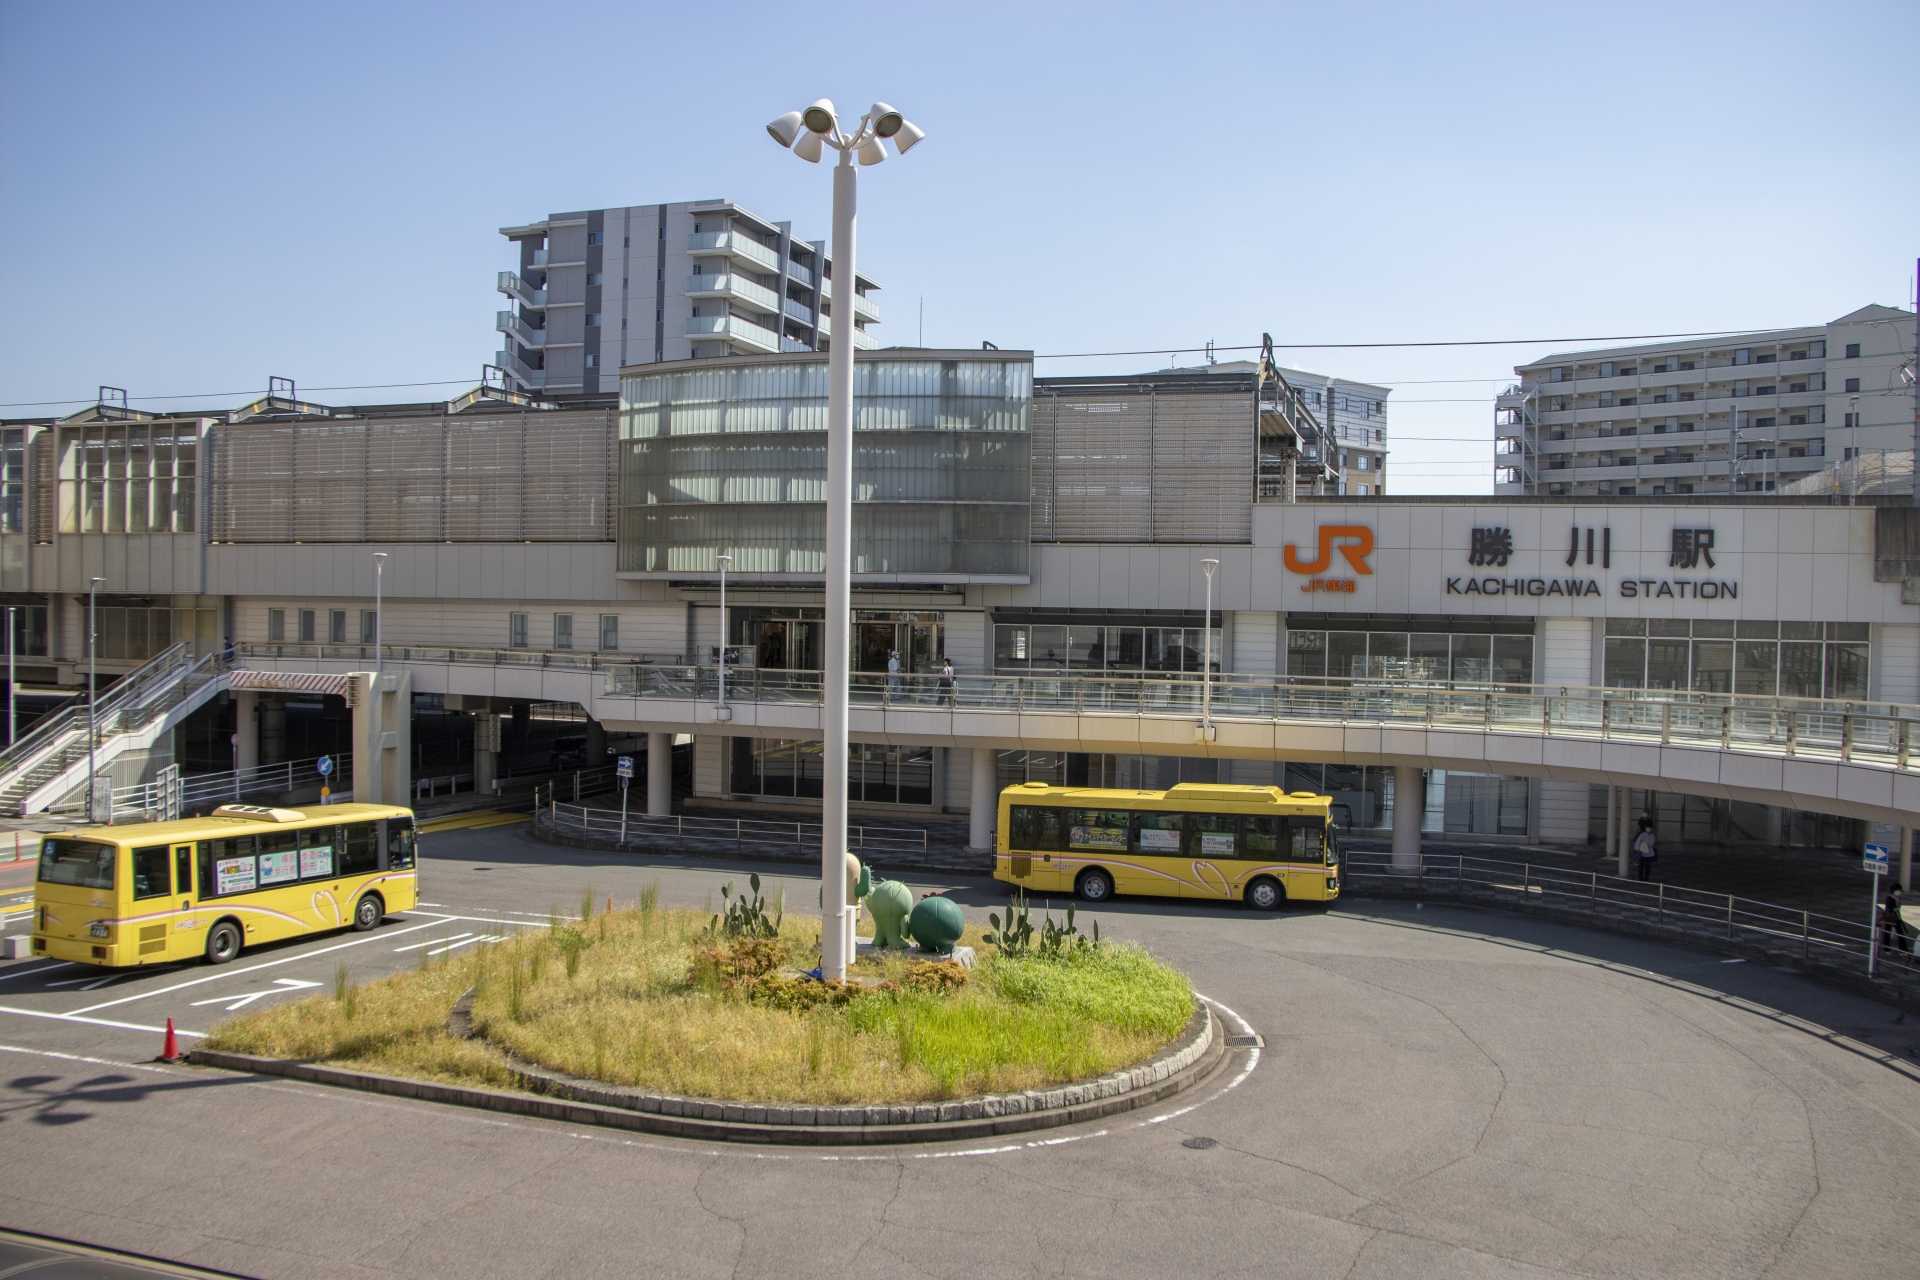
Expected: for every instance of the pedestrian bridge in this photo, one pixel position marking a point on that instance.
(1852, 759)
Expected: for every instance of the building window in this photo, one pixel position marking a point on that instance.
(127, 478)
(336, 626)
(595, 277)
(276, 625)
(369, 627)
(1769, 659)
(306, 626)
(593, 319)
(593, 361)
(596, 237)
(1354, 651)
(516, 631)
(609, 632)
(563, 631)
(1853, 384)
(1853, 351)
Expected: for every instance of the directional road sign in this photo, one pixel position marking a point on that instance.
(1876, 861)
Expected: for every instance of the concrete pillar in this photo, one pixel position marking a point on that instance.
(273, 729)
(246, 731)
(1906, 858)
(659, 775)
(382, 736)
(1409, 805)
(486, 752)
(596, 752)
(983, 799)
(1624, 849)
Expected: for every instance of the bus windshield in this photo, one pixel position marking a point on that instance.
(84, 864)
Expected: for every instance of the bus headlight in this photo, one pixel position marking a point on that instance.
(99, 929)
(1333, 884)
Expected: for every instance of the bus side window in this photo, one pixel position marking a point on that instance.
(399, 844)
(1262, 836)
(227, 866)
(150, 878)
(1215, 835)
(1098, 830)
(1036, 827)
(1158, 833)
(359, 851)
(183, 869)
(1308, 837)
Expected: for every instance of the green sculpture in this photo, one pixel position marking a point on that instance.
(936, 924)
(890, 902)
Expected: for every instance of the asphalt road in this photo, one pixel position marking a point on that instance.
(1444, 1092)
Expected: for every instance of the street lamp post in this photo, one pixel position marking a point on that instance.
(807, 133)
(1206, 655)
(721, 711)
(12, 721)
(93, 690)
(379, 647)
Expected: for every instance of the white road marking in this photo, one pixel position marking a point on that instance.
(469, 942)
(415, 946)
(284, 984)
(74, 1057)
(255, 968)
(112, 977)
(97, 1022)
(45, 968)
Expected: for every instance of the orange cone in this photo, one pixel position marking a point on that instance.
(170, 1051)
(609, 904)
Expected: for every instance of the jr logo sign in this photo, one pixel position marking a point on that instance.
(1356, 544)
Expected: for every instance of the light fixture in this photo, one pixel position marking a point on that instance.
(885, 120)
(870, 151)
(786, 128)
(906, 135)
(808, 148)
(819, 117)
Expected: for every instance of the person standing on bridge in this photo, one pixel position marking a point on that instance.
(1645, 850)
(949, 686)
(893, 676)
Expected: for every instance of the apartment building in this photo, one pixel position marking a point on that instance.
(603, 288)
(1740, 414)
(1352, 424)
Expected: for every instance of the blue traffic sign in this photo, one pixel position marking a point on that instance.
(1877, 860)
(324, 765)
(623, 767)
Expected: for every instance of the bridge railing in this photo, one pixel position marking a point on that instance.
(1796, 933)
(640, 829)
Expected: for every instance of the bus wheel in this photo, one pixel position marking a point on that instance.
(1094, 885)
(223, 942)
(1265, 894)
(368, 912)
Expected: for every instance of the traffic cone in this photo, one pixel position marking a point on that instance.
(170, 1051)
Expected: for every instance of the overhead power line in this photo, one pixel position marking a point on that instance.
(1378, 346)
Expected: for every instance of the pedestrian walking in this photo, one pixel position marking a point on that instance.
(1894, 934)
(1645, 850)
(949, 686)
(893, 676)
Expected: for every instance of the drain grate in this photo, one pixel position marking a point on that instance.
(1246, 1042)
(1200, 1144)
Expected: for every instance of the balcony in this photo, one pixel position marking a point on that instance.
(738, 288)
(797, 272)
(799, 311)
(539, 258)
(519, 370)
(522, 332)
(736, 246)
(866, 309)
(517, 289)
(863, 341)
(733, 329)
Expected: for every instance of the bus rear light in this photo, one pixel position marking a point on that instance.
(99, 953)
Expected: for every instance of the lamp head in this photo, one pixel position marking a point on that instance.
(819, 117)
(906, 135)
(786, 128)
(1209, 566)
(885, 120)
(871, 152)
(808, 147)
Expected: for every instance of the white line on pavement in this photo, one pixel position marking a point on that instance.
(456, 946)
(415, 946)
(255, 968)
(97, 1022)
(21, 973)
(74, 1057)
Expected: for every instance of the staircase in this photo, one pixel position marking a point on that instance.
(50, 763)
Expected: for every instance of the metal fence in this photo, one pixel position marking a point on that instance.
(1795, 933)
(171, 795)
(638, 829)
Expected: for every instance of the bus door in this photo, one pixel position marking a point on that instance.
(186, 925)
(1213, 841)
(1163, 869)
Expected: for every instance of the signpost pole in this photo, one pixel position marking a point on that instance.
(1876, 860)
(624, 767)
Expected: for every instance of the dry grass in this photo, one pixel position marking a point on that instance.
(609, 997)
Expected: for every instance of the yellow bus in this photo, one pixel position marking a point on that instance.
(1257, 845)
(160, 892)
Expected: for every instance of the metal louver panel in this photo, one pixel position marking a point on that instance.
(528, 477)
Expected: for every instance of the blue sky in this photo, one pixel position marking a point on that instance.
(195, 196)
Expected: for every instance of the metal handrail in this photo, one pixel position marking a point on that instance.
(1814, 936)
(642, 828)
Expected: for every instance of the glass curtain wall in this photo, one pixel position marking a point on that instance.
(877, 773)
(1769, 659)
(135, 477)
(732, 459)
(1046, 649)
(1413, 650)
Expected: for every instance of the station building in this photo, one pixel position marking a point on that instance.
(1006, 523)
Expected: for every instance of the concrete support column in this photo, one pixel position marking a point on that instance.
(983, 799)
(596, 744)
(486, 752)
(1625, 852)
(1409, 804)
(659, 775)
(1613, 821)
(246, 731)
(273, 729)
(382, 737)
(1906, 858)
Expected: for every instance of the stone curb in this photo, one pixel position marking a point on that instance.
(932, 864)
(1858, 984)
(554, 1096)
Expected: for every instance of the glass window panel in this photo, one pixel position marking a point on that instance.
(137, 631)
(916, 774)
(1158, 833)
(1036, 827)
(1387, 655)
(1757, 630)
(84, 864)
(1712, 629)
(1801, 630)
(1712, 666)
(1163, 646)
(1260, 836)
(1087, 648)
(1668, 663)
(1427, 656)
(1756, 667)
(1668, 627)
(1626, 663)
(1215, 835)
(778, 763)
(152, 872)
(1049, 648)
(1126, 648)
(1801, 673)
(1307, 654)
(809, 770)
(1626, 626)
(1851, 631)
(1473, 659)
(1346, 654)
(1846, 669)
(1513, 659)
(1097, 830)
(1010, 647)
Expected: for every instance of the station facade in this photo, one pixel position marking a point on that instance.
(1003, 523)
